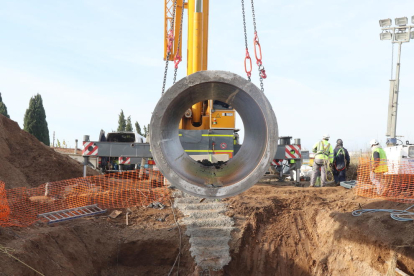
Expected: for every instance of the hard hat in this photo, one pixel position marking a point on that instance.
(326, 136)
(373, 142)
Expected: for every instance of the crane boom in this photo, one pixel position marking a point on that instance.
(201, 115)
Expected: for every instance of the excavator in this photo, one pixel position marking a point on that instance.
(195, 118)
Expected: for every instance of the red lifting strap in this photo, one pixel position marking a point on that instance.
(257, 49)
(248, 58)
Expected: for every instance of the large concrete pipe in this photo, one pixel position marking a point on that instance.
(246, 167)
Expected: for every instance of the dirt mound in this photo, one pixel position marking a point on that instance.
(26, 162)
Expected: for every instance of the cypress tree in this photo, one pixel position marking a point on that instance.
(146, 130)
(121, 121)
(138, 128)
(3, 108)
(129, 124)
(35, 120)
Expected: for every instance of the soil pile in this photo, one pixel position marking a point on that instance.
(26, 162)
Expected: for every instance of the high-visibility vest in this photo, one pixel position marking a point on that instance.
(324, 150)
(382, 164)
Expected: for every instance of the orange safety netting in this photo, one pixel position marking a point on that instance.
(394, 182)
(21, 206)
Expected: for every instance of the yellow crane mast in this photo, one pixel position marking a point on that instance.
(203, 115)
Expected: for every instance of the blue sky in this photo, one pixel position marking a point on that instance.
(328, 72)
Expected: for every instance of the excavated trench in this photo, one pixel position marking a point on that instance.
(312, 232)
(280, 231)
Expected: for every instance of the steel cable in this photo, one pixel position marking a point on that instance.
(179, 248)
(398, 215)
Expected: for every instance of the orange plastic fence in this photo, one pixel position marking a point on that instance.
(395, 182)
(21, 206)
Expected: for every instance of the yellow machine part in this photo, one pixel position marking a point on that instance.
(197, 54)
(223, 119)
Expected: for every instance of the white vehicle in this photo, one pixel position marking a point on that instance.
(400, 159)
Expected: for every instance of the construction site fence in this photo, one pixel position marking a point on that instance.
(388, 180)
(21, 206)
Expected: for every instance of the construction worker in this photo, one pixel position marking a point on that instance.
(341, 162)
(323, 158)
(292, 167)
(236, 138)
(378, 165)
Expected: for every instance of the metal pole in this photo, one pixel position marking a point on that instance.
(142, 167)
(396, 92)
(85, 164)
(85, 158)
(393, 103)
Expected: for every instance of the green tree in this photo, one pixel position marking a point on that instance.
(3, 108)
(138, 128)
(35, 120)
(121, 121)
(58, 145)
(146, 130)
(129, 124)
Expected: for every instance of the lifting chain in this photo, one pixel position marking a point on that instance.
(170, 46)
(247, 58)
(258, 51)
(178, 58)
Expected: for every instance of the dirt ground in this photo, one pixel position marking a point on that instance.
(281, 230)
(26, 162)
(99, 245)
(310, 231)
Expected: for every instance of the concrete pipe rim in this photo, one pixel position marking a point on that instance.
(246, 167)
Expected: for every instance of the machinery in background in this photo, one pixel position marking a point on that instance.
(397, 153)
(115, 151)
(207, 128)
(400, 158)
(286, 152)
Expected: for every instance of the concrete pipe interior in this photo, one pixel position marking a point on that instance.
(240, 172)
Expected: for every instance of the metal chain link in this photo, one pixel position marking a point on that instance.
(169, 51)
(254, 16)
(260, 67)
(245, 31)
(179, 41)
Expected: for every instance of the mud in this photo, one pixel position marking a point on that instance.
(281, 230)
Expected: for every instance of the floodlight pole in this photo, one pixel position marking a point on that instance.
(395, 85)
(393, 102)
